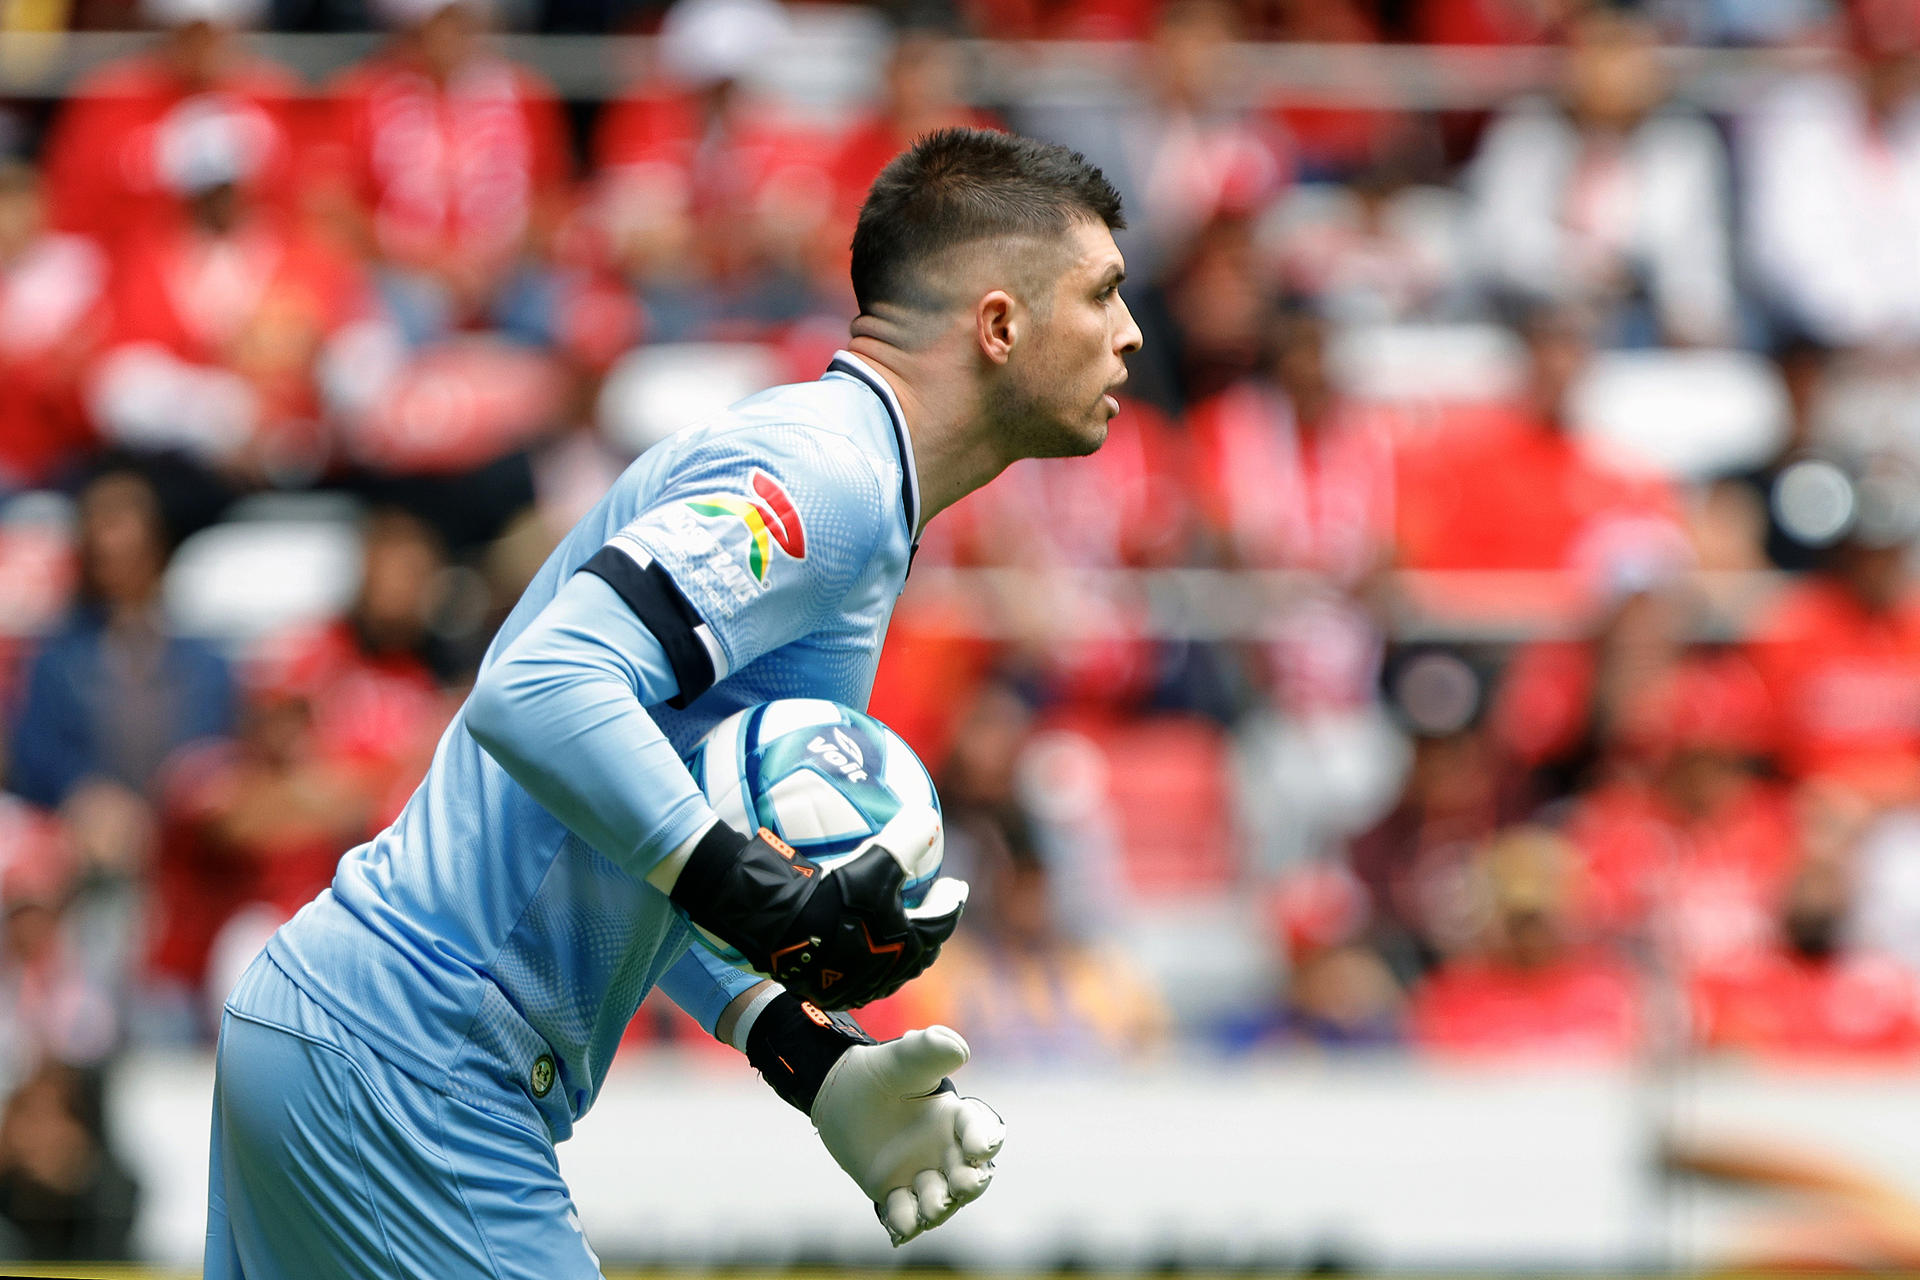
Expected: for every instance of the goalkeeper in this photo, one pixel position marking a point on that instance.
(395, 1068)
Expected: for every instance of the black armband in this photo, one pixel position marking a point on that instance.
(793, 1045)
(656, 599)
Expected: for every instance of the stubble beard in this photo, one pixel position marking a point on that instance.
(1032, 430)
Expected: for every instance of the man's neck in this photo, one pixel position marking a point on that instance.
(954, 452)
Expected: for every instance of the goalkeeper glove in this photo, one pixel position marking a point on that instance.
(839, 936)
(886, 1112)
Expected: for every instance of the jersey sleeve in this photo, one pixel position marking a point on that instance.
(703, 985)
(753, 540)
(563, 711)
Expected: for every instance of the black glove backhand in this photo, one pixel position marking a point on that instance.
(841, 936)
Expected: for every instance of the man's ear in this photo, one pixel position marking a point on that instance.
(998, 324)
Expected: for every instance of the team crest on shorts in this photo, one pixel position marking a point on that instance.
(770, 518)
(541, 1077)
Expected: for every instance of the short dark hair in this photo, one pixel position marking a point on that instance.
(955, 186)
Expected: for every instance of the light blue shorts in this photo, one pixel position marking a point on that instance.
(329, 1161)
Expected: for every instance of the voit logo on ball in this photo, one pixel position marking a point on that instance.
(770, 518)
(842, 753)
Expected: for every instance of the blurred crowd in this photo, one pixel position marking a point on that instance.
(1393, 677)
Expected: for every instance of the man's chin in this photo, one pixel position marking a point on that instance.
(1061, 438)
(1079, 442)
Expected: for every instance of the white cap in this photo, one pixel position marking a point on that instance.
(206, 143)
(223, 13)
(703, 41)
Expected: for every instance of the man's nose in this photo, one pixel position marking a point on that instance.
(1128, 340)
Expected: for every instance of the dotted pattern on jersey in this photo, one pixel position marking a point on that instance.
(476, 933)
(606, 918)
(704, 530)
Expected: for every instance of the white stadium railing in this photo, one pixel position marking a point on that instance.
(835, 53)
(1378, 1163)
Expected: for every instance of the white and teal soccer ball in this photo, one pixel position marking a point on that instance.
(823, 777)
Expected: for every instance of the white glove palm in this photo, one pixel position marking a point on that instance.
(919, 1152)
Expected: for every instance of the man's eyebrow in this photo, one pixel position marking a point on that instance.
(1115, 274)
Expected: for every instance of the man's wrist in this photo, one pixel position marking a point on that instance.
(762, 996)
(666, 873)
(794, 1044)
(702, 861)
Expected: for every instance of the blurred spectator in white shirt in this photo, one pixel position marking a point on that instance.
(1177, 148)
(1381, 249)
(1612, 195)
(1831, 167)
(714, 196)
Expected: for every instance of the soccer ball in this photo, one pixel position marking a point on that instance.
(823, 777)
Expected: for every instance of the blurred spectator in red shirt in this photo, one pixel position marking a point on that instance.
(113, 152)
(1609, 197)
(1831, 188)
(1808, 996)
(219, 321)
(341, 724)
(1841, 651)
(1565, 709)
(449, 165)
(1494, 21)
(1692, 850)
(1528, 990)
(922, 89)
(52, 285)
(374, 680)
(713, 200)
(1061, 19)
(52, 1005)
(1058, 519)
(258, 819)
(1210, 307)
(1414, 862)
(1518, 491)
(1330, 141)
(1291, 476)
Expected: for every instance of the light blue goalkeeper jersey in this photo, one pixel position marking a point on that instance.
(491, 948)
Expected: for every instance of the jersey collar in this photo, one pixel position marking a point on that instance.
(854, 367)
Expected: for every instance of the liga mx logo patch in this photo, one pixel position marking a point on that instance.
(770, 517)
